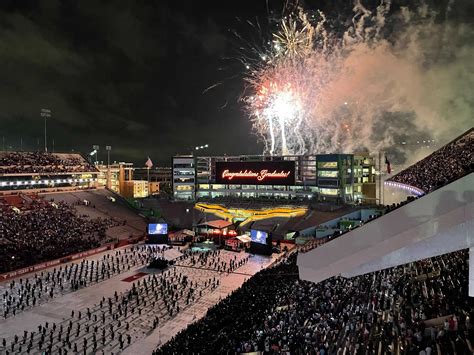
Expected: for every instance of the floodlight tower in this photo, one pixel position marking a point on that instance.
(96, 149)
(108, 148)
(46, 113)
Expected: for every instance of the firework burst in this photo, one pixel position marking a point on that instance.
(282, 86)
(312, 90)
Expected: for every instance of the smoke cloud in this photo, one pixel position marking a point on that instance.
(392, 76)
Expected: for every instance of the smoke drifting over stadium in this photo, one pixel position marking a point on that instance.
(390, 75)
(404, 73)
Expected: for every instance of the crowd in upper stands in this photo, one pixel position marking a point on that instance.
(447, 164)
(40, 162)
(419, 308)
(45, 230)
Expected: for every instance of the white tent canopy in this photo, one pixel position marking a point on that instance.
(244, 238)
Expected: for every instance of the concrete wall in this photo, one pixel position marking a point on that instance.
(437, 223)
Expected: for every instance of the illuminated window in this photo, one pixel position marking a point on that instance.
(217, 186)
(184, 188)
(327, 164)
(183, 173)
(332, 192)
(248, 187)
(328, 173)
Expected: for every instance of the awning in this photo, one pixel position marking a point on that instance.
(217, 224)
(188, 232)
(182, 234)
(244, 238)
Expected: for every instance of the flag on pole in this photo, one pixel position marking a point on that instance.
(149, 163)
(387, 163)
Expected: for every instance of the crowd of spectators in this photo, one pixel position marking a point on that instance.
(45, 231)
(41, 162)
(447, 164)
(418, 308)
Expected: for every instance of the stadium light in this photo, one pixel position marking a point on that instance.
(46, 113)
(108, 148)
(198, 147)
(96, 149)
(201, 146)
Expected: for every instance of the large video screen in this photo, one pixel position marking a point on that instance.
(157, 228)
(258, 236)
(256, 173)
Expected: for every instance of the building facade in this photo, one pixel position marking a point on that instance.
(135, 189)
(114, 176)
(322, 177)
(365, 189)
(159, 176)
(184, 177)
(130, 182)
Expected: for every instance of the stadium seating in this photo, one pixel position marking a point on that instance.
(39, 162)
(37, 230)
(447, 164)
(417, 307)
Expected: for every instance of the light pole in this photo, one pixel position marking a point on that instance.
(96, 149)
(46, 113)
(108, 148)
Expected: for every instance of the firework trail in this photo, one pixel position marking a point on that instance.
(315, 90)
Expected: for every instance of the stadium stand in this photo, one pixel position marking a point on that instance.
(422, 306)
(35, 230)
(40, 162)
(445, 165)
(102, 203)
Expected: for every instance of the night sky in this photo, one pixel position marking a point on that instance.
(130, 74)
